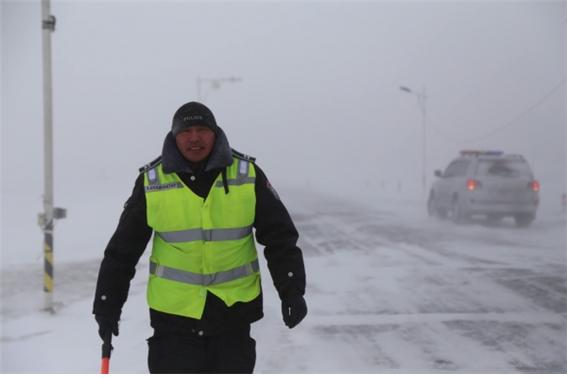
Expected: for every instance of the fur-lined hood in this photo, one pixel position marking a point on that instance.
(173, 160)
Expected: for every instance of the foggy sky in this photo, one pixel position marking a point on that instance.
(319, 103)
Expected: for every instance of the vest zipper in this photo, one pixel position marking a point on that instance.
(224, 181)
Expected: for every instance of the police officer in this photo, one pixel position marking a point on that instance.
(201, 201)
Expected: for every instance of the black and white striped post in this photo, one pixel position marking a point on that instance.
(47, 218)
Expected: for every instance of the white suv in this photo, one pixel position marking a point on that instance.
(489, 183)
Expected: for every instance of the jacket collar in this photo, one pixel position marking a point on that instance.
(173, 160)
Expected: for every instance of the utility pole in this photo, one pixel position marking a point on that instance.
(47, 218)
(215, 83)
(422, 102)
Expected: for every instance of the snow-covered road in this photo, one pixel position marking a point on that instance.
(389, 290)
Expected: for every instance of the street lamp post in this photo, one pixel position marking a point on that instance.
(422, 102)
(215, 83)
(51, 213)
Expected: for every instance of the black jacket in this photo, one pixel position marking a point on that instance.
(274, 229)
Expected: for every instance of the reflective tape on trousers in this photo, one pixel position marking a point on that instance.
(204, 279)
(196, 234)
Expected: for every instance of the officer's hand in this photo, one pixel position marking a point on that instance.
(294, 310)
(106, 326)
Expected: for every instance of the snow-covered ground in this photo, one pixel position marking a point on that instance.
(389, 291)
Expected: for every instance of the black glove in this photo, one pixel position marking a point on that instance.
(106, 326)
(294, 310)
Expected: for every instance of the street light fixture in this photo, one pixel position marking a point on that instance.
(215, 83)
(422, 102)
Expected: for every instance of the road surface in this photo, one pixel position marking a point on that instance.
(389, 291)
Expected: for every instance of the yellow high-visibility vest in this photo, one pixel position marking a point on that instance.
(201, 245)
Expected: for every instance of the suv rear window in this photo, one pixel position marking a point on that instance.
(457, 168)
(504, 168)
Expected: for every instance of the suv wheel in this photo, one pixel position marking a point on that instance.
(457, 213)
(524, 220)
(431, 210)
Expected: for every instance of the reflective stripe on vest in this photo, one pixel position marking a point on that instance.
(204, 279)
(153, 177)
(220, 234)
(237, 181)
(171, 185)
(243, 168)
(155, 185)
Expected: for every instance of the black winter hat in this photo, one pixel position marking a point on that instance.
(191, 114)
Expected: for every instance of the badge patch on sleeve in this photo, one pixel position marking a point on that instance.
(269, 186)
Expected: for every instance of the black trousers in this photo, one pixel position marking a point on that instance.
(232, 351)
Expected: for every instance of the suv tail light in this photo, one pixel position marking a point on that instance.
(534, 185)
(472, 185)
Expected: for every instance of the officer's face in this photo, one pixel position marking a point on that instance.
(195, 143)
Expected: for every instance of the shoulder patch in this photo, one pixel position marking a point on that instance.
(150, 165)
(242, 156)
